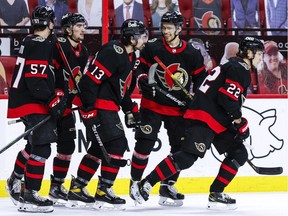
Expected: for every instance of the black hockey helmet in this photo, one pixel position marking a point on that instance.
(70, 19)
(174, 17)
(250, 43)
(42, 15)
(132, 27)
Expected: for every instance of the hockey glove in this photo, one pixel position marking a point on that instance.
(89, 117)
(59, 93)
(242, 130)
(133, 117)
(146, 89)
(57, 105)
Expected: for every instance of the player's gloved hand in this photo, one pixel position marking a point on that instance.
(242, 129)
(57, 105)
(89, 117)
(145, 88)
(133, 117)
(59, 93)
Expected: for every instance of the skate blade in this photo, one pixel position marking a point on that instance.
(78, 204)
(221, 206)
(164, 201)
(136, 193)
(15, 201)
(103, 206)
(58, 202)
(25, 207)
(132, 197)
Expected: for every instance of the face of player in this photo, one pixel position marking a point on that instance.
(78, 31)
(169, 31)
(142, 40)
(258, 57)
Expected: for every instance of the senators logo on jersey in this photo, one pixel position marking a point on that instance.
(179, 73)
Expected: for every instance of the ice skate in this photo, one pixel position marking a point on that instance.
(58, 193)
(30, 201)
(141, 190)
(221, 201)
(169, 195)
(105, 198)
(130, 191)
(13, 188)
(78, 196)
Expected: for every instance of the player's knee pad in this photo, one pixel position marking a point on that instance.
(144, 146)
(66, 147)
(27, 148)
(238, 154)
(117, 146)
(175, 148)
(95, 150)
(43, 151)
(184, 160)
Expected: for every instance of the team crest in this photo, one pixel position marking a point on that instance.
(200, 147)
(209, 20)
(152, 40)
(39, 39)
(76, 72)
(244, 65)
(118, 49)
(62, 39)
(146, 129)
(282, 89)
(195, 46)
(179, 73)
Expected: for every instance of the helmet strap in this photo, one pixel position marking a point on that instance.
(136, 38)
(71, 37)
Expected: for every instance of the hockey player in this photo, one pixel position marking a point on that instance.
(213, 116)
(33, 97)
(76, 55)
(104, 88)
(184, 61)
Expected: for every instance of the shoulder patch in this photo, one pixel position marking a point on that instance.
(62, 39)
(39, 39)
(244, 65)
(118, 49)
(195, 46)
(152, 40)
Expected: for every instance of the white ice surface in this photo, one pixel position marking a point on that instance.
(249, 204)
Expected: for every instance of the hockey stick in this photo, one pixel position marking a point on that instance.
(104, 152)
(110, 160)
(152, 81)
(263, 170)
(21, 120)
(14, 121)
(24, 134)
(176, 81)
(266, 170)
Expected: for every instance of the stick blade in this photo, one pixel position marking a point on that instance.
(270, 170)
(266, 170)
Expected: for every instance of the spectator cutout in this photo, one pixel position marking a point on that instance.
(273, 74)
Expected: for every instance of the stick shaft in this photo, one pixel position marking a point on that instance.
(172, 77)
(24, 134)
